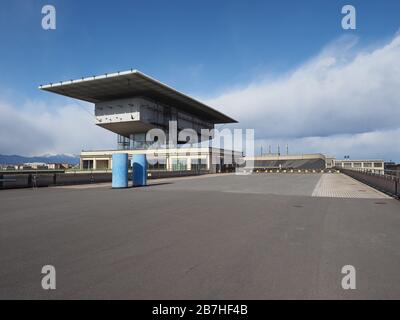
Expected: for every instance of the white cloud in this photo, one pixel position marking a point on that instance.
(37, 129)
(341, 100)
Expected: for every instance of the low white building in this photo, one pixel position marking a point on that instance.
(375, 166)
(177, 159)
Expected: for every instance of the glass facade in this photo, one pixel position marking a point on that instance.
(179, 164)
(198, 164)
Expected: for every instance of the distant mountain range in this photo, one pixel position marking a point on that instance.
(57, 158)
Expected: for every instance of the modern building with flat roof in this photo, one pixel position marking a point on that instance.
(375, 166)
(130, 104)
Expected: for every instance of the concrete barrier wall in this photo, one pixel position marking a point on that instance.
(384, 183)
(82, 178)
(172, 174)
(18, 181)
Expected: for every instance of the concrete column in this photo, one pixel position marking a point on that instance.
(168, 162)
(120, 171)
(139, 174)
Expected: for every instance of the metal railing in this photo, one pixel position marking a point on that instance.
(387, 181)
(392, 173)
(32, 179)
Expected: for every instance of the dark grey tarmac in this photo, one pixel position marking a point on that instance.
(217, 237)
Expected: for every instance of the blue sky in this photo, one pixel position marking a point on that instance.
(204, 48)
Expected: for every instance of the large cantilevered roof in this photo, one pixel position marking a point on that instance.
(132, 83)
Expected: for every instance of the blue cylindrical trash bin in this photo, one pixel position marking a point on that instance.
(120, 170)
(139, 168)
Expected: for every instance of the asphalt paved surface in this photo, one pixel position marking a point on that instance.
(217, 237)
